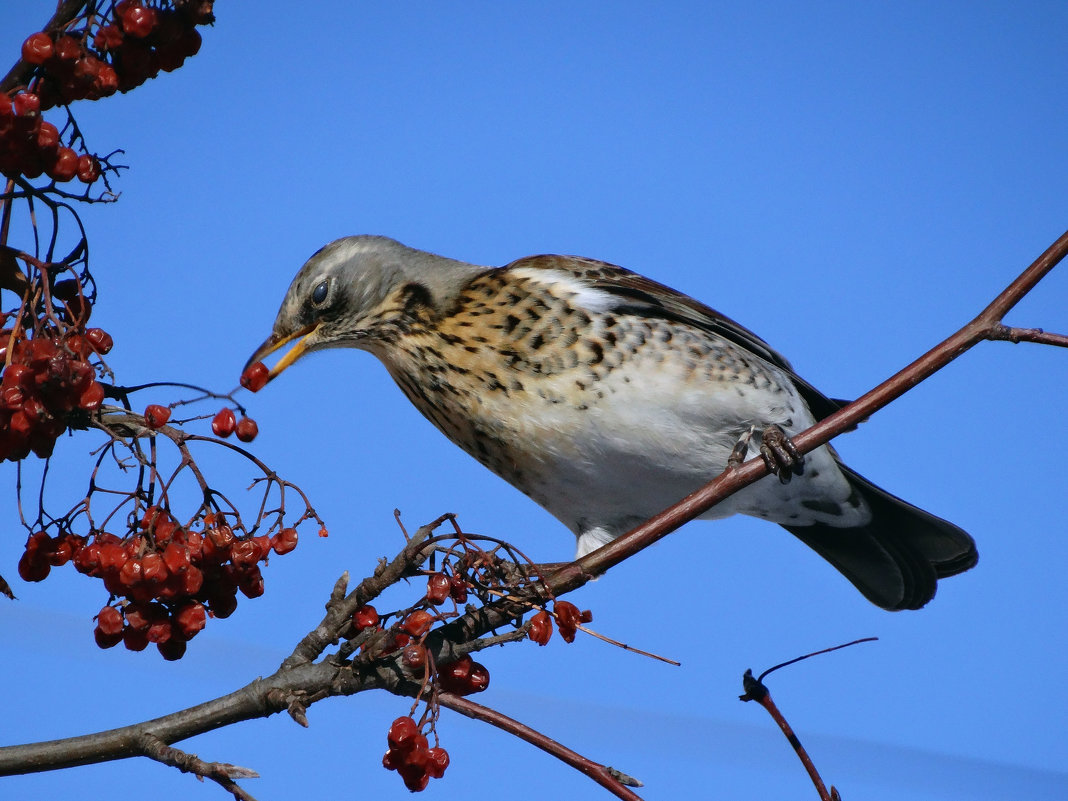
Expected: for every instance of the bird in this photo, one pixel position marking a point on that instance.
(606, 397)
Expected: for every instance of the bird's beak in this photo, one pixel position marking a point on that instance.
(275, 342)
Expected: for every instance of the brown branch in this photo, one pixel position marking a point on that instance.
(222, 773)
(21, 72)
(756, 691)
(609, 778)
(1014, 335)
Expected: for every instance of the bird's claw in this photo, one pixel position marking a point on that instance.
(780, 455)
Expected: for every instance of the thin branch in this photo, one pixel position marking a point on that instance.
(756, 691)
(605, 776)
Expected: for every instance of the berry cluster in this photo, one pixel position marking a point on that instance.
(411, 756)
(30, 146)
(47, 384)
(165, 578)
(132, 47)
(107, 55)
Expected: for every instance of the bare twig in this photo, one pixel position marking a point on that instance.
(607, 777)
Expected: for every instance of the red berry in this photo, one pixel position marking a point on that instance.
(247, 429)
(255, 377)
(37, 48)
(365, 617)
(153, 568)
(540, 628)
(48, 138)
(458, 589)
(138, 21)
(190, 618)
(27, 104)
(67, 48)
(172, 650)
(284, 541)
(99, 340)
(437, 761)
(134, 640)
(92, 397)
(403, 734)
(108, 37)
(109, 621)
(244, 552)
(418, 622)
(65, 165)
(88, 167)
(568, 618)
(437, 588)
(224, 423)
(156, 415)
(414, 656)
(106, 640)
(479, 678)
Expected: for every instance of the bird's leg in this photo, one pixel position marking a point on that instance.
(741, 448)
(780, 455)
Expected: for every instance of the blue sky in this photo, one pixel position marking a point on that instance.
(851, 181)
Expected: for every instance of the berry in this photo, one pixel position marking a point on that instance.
(109, 621)
(284, 541)
(418, 622)
(99, 340)
(65, 165)
(255, 377)
(156, 416)
(437, 761)
(37, 48)
(172, 650)
(540, 628)
(67, 48)
(403, 734)
(414, 656)
(190, 619)
(138, 21)
(88, 167)
(437, 588)
(27, 104)
(108, 37)
(92, 397)
(568, 619)
(224, 423)
(247, 429)
(364, 618)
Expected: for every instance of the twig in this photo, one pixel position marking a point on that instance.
(607, 777)
(756, 691)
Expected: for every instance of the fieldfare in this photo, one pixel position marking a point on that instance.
(606, 397)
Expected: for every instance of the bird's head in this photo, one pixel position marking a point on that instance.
(355, 288)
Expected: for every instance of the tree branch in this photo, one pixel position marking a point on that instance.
(609, 778)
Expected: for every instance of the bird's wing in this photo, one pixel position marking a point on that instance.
(640, 296)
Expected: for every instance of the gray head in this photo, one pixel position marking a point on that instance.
(355, 288)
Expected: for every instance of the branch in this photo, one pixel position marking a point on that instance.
(611, 779)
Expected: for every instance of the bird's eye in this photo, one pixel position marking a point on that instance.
(320, 292)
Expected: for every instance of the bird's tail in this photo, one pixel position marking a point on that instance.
(897, 559)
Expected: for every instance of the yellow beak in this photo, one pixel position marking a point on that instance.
(275, 342)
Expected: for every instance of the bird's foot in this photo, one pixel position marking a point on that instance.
(780, 455)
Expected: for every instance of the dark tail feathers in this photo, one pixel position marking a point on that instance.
(897, 559)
